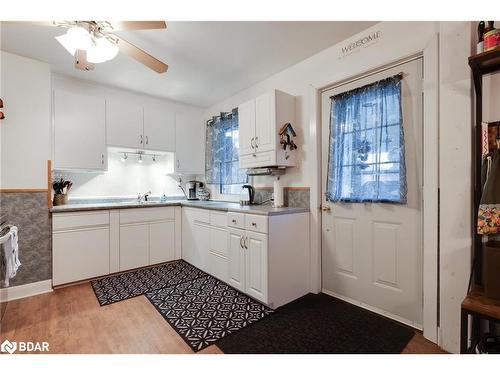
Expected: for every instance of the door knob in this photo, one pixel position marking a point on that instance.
(326, 208)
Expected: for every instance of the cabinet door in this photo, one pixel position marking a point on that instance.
(80, 255)
(246, 123)
(159, 129)
(189, 144)
(124, 122)
(134, 246)
(161, 242)
(79, 131)
(236, 259)
(265, 126)
(201, 236)
(256, 265)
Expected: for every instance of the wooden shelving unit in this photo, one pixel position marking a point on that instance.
(475, 303)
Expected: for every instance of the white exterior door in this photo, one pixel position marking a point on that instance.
(372, 252)
(256, 265)
(246, 122)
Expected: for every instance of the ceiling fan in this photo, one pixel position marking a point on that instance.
(92, 42)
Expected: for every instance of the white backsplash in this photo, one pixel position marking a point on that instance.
(125, 179)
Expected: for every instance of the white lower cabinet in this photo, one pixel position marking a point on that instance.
(236, 259)
(80, 246)
(248, 263)
(134, 246)
(90, 244)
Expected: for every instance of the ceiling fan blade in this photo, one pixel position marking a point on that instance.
(141, 56)
(137, 25)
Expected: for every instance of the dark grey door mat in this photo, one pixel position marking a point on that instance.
(135, 283)
(319, 324)
(204, 310)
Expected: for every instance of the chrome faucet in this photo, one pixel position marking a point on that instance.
(144, 196)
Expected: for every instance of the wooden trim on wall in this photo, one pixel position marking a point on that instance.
(23, 190)
(49, 184)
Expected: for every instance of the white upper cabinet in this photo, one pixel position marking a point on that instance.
(260, 121)
(159, 129)
(124, 123)
(189, 144)
(246, 123)
(79, 131)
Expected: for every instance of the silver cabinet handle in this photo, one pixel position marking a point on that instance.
(102, 159)
(241, 245)
(254, 224)
(251, 142)
(147, 140)
(233, 221)
(245, 242)
(178, 164)
(141, 139)
(256, 144)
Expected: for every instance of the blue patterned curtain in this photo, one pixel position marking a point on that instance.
(221, 151)
(367, 152)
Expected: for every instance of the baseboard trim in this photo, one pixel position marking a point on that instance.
(27, 290)
(375, 310)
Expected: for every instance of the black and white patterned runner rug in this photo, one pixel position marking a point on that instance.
(135, 283)
(204, 310)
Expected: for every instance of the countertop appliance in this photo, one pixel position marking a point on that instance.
(192, 189)
(247, 195)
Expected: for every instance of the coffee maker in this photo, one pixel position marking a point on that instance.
(192, 188)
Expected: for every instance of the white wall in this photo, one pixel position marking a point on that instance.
(454, 175)
(25, 131)
(125, 179)
(399, 40)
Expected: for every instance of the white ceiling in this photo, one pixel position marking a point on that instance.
(208, 61)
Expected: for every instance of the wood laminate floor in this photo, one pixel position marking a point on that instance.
(71, 321)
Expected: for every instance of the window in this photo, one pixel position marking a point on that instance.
(222, 159)
(367, 153)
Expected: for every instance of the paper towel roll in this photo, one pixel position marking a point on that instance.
(278, 193)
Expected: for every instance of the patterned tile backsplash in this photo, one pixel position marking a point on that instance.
(29, 212)
(293, 197)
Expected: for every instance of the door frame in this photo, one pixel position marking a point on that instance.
(430, 183)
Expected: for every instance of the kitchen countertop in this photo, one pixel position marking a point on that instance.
(210, 205)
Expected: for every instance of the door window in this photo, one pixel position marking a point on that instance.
(366, 148)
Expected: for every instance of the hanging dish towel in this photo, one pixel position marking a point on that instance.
(488, 219)
(10, 256)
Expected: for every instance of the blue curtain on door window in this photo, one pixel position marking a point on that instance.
(221, 151)
(367, 151)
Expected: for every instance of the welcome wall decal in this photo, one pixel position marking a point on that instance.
(363, 42)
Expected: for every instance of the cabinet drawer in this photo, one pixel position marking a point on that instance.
(236, 220)
(196, 215)
(79, 220)
(256, 223)
(218, 219)
(147, 214)
(261, 159)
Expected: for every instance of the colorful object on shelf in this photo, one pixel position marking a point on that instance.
(492, 40)
(488, 216)
(286, 133)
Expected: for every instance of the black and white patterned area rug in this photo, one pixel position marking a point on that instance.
(120, 287)
(204, 310)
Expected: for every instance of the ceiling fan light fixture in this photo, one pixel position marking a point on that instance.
(102, 50)
(75, 38)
